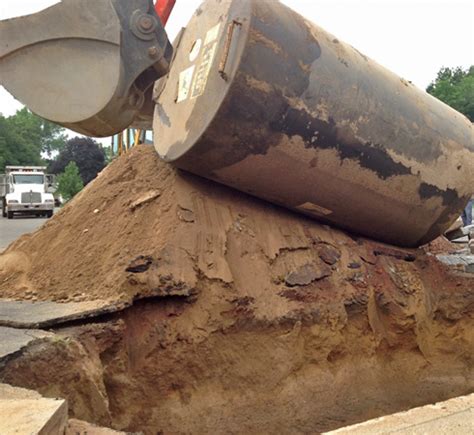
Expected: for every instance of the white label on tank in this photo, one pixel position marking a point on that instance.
(195, 50)
(212, 34)
(184, 85)
(202, 73)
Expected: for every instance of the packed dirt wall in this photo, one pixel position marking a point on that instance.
(246, 317)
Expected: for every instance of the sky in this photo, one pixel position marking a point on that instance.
(413, 38)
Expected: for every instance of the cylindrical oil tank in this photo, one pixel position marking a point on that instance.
(262, 100)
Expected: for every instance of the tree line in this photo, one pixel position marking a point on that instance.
(455, 87)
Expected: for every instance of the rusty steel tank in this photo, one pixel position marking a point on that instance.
(262, 100)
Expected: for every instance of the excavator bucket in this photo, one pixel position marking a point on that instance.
(88, 65)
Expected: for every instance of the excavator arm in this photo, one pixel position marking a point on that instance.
(163, 9)
(88, 65)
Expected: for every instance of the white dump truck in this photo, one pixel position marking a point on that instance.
(26, 190)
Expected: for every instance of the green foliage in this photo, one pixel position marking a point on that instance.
(70, 181)
(86, 153)
(25, 138)
(455, 87)
(108, 154)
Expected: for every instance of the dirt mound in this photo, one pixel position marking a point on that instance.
(144, 229)
(95, 246)
(281, 324)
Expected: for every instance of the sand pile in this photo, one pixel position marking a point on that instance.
(96, 247)
(141, 229)
(285, 326)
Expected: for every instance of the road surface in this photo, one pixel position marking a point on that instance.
(11, 229)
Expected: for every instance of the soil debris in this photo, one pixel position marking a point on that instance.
(140, 265)
(144, 199)
(329, 254)
(307, 274)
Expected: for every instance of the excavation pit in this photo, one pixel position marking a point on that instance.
(156, 367)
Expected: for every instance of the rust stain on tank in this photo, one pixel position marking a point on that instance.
(258, 38)
(324, 134)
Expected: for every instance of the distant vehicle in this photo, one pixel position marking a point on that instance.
(26, 190)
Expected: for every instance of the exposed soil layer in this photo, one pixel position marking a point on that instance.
(175, 367)
(262, 321)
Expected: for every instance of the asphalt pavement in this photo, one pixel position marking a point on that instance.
(11, 229)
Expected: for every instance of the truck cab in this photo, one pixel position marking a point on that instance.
(26, 190)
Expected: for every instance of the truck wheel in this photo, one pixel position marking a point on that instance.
(10, 215)
(4, 209)
(49, 213)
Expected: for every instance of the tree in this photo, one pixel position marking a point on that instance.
(25, 138)
(86, 153)
(70, 182)
(13, 149)
(455, 87)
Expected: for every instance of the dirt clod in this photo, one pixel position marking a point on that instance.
(140, 264)
(144, 199)
(329, 254)
(307, 274)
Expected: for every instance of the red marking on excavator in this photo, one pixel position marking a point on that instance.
(164, 8)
